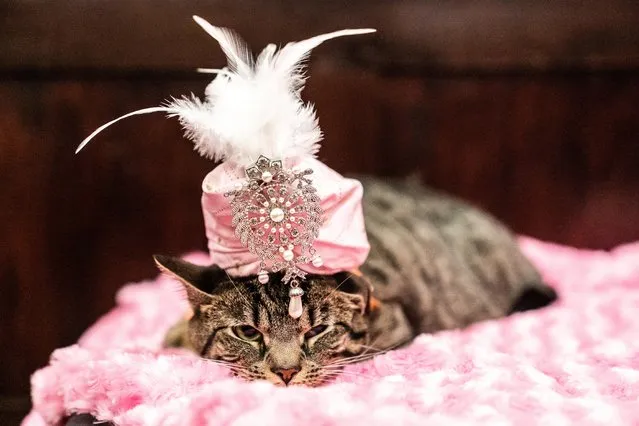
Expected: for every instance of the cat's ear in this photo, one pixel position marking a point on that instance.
(358, 289)
(197, 280)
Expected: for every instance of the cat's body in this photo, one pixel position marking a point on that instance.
(438, 263)
(435, 263)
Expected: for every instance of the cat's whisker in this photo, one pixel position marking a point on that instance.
(353, 359)
(234, 368)
(237, 289)
(342, 365)
(382, 350)
(360, 377)
(366, 355)
(368, 348)
(218, 362)
(340, 371)
(372, 346)
(356, 375)
(336, 288)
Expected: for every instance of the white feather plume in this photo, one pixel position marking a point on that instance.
(252, 107)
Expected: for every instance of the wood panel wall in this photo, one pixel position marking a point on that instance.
(526, 108)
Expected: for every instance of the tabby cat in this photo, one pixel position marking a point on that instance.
(435, 264)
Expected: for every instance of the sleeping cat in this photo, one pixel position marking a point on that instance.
(435, 264)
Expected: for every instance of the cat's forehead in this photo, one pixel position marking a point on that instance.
(275, 289)
(267, 304)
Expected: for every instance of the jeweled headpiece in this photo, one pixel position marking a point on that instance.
(270, 206)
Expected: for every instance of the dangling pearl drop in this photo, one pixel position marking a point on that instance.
(262, 277)
(295, 305)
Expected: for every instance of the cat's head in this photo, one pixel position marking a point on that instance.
(246, 324)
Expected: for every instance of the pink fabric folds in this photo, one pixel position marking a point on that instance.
(342, 241)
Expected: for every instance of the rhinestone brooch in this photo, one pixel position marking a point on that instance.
(277, 216)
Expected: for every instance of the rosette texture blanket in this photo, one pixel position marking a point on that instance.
(576, 362)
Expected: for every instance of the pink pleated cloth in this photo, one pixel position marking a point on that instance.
(574, 363)
(342, 242)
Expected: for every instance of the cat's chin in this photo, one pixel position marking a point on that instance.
(315, 383)
(301, 385)
(276, 382)
(304, 384)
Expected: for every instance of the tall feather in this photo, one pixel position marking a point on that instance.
(238, 54)
(252, 107)
(290, 59)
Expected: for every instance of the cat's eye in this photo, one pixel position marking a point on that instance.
(315, 331)
(246, 332)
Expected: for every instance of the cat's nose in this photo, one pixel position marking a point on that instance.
(287, 374)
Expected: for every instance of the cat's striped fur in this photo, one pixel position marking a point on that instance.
(440, 262)
(435, 264)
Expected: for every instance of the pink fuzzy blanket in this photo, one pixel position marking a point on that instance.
(576, 362)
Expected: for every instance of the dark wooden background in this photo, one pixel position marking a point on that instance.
(529, 109)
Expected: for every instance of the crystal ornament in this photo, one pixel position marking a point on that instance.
(295, 307)
(285, 203)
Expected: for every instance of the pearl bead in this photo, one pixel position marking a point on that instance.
(288, 255)
(277, 215)
(262, 277)
(317, 262)
(267, 176)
